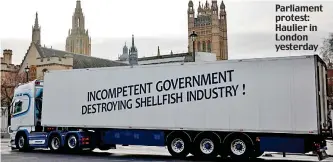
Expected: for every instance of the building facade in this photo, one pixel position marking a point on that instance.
(78, 40)
(210, 24)
(129, 55)
(8, 69)
(176, 58)
(168, 58)
(8, 77)
(6, 63)
(40, 59)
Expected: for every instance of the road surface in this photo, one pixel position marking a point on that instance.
(127, 153)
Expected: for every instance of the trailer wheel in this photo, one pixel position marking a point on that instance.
(21, 142)
(55, 143)
(239, 147)
(178, 145)
(72, 143)
(207, 146)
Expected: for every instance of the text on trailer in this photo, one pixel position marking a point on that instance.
(117, 95)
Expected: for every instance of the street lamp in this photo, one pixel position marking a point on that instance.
(193, 36)
(27, 72)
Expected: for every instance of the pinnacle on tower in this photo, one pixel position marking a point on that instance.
(36, 25)
(36, 31)
(190, 3)
(125, 49)
(214, 5)
(133, 57)
(78, 5)
(190, 7)
(158, 51)
(133, 48)
(206, 5)
(222, 6)
(133, 40)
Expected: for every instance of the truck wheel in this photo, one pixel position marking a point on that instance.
(239, 147)
(55, 143)
(207, 147)
(72, 143)
(178, 145)
(21, 142)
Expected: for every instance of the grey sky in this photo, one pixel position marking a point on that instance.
(153, 22)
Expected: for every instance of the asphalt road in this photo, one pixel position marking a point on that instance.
(129, 153)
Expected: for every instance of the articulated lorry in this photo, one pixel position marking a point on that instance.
(236, 108)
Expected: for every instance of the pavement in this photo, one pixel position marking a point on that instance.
(130, 153)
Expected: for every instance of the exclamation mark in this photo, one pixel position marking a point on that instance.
(243, 89)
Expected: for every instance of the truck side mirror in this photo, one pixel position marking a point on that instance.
(9, 130)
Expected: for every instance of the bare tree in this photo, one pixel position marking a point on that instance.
(327, 50)
(327, 55)
(9, 81)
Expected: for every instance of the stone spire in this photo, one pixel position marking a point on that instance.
(158, 51)
(78, 40)
(36, 31)
(133, 55)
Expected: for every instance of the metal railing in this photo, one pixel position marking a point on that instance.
(4, 120)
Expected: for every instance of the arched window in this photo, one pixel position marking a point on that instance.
(204, 46)
(209, 46)
(32, 72)
(199, 46)
(78, 22)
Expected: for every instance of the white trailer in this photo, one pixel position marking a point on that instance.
(236, 108)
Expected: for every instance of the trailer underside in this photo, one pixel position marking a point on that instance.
(237, 145)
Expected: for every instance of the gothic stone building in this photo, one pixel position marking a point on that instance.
(41, 59)
(7, 67)
(211, 27)
(166, 58)
(129, 55)
(78, 40)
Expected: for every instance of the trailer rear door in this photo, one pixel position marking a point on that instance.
(323, 114)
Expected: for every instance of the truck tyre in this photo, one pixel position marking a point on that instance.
(239, 147)
(21, 142)
(72, 143)
(206, 146)
(178, 145)
(55, 143)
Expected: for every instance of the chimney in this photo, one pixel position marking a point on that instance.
(7, 56)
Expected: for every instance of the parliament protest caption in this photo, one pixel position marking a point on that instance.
(295, 27)
(170, 91)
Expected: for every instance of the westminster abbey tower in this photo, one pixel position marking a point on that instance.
(211, 27)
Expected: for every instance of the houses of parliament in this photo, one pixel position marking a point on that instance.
(208, 21)
(211, 26)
